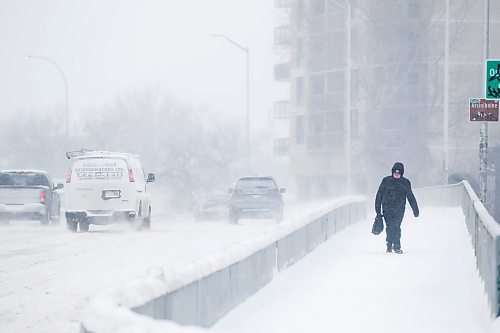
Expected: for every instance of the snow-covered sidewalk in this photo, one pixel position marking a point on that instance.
(349, 284)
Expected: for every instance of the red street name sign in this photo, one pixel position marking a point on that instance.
(481, 109)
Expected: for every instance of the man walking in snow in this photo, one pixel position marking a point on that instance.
(390, 202)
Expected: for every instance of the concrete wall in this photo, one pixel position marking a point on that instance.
(483, 229)
(205, 300)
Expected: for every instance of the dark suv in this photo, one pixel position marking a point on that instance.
(256, 197)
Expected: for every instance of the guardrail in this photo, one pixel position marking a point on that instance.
(162, 301)
(204, 292)
(483, 229)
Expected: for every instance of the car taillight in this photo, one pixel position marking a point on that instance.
(68, 176)
(43, 196)
(274, 190)
(237, 190)
(130, 176)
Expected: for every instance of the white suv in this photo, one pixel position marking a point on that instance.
(106, 187)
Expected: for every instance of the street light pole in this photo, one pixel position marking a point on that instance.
(348, 93)
(483, 139)
(247, 53)
(446, 91)
(65, 86)
(347, 7)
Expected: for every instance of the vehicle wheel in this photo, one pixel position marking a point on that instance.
(55, 220)
(45, 219)
(233, 217)
(72, 225)
(84, 225)
(146, 222)
(278, 215)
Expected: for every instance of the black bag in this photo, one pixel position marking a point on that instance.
(378, 225)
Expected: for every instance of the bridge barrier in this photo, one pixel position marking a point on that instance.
(168, 301)
(163, 301)
(483, 229)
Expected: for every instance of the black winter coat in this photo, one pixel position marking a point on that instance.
(391, 197)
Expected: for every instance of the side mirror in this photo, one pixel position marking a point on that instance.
(60, 186)
(151, 177)
(282, 190)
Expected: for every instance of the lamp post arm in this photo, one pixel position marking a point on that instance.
(245, 49)
(65, 85)
(247, 53)
(53, 63)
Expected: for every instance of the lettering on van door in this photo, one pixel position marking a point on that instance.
(108, 170)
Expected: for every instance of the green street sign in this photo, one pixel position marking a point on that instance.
(492, 90)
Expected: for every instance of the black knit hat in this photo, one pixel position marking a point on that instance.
(398, 168)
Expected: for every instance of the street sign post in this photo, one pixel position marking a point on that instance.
(481, 109)
(492, 89)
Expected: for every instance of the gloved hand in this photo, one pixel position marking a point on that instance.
(415, 214)
(380, 215)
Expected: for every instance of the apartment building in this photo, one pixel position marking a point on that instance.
(367, 89)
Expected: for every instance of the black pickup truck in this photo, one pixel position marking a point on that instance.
(28, 195)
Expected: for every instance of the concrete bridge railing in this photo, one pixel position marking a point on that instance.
(483, 229)
(166, 301)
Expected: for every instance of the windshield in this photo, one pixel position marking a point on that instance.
(23, 179)
(256, 183)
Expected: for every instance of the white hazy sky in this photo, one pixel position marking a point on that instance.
(111, 47)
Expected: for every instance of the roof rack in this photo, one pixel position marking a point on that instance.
(83, 151)
(73, 153)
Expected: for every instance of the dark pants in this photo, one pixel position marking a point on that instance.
(393, 230)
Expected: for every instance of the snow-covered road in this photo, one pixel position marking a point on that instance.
(48, 275)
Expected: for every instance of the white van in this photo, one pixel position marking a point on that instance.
(106, 187)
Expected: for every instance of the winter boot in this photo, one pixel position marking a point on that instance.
(389, 248)
(398, 251)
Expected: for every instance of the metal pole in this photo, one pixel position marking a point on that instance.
(247, 52)
(446, 90)
(483, 141)
(65, 86)
(347, 121)
(348, 101)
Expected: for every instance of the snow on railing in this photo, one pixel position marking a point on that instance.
(205, 290)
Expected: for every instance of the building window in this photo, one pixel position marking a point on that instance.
(282, 71)
(317, 84)
(281, 110)
(335, 122)
(413, 79)
(318, 7)
(316, 123)
(317, 44)
(281, 146)
(414, 8)
(299, 91)
(299, 130)
(300, 13)
(300, 52)
(335, 82)
(282, 35)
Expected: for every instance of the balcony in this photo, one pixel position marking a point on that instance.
(281, 146)
(281, 110)
(282, 35)
(283, 4)
(282, 72)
